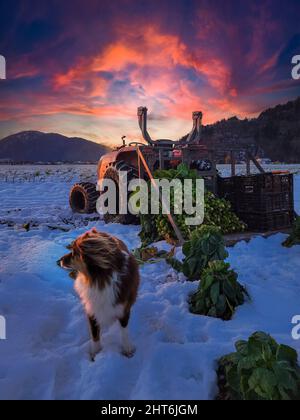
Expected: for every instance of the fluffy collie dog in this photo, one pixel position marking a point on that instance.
(107, 281)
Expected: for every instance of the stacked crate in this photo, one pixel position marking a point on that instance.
(265, 202)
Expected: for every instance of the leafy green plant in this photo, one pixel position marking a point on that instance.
(218, 212)
(294, 238)
(219, 292)
(261, 369)
(206, 245)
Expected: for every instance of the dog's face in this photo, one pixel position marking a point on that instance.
(76, 259)
(72, 261)
(92, 250)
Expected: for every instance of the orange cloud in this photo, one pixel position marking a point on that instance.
(152, 64)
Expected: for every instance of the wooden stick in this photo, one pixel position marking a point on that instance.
(248, 170)
(259, 167)
(171, 220)
(233, 162)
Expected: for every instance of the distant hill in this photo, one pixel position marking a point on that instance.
(34, 146)
(275, 133)
(278, 132)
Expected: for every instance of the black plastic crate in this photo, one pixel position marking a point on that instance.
(264, 202)
(226, 185)
(253, 184)
(226, 189)
(264, 222)
(268, 182)
(283, 182)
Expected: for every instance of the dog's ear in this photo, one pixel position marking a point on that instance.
(70, 247)
(94, 231)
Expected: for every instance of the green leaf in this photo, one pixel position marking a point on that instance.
(244, 386)
(212, 312)
(267, 352)
(215, 292)
(284, 377)
(176, 264)
(229, 290)
(186, 249)
(261, 393)
(230, 306)
(207, 282)
(284, 395)
(242, 347)
(233, 380)
(255, 348)
(263, 379)
(221, 305)
(205, 247)
(287, 353)
(246, 363)
(232, 358)
(193, 263)
(183, 170)
(261, 337)
(222, 254)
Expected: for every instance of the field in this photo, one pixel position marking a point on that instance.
(45, 355)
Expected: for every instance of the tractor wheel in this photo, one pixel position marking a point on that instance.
(83, 198)
(113, 174)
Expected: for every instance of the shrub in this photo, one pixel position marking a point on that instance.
(294, 238)
(206, 245)
(260, 369)
(219, 292)
(218, 212)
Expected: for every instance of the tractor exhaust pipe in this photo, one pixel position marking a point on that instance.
(195, 135)
(142, 115)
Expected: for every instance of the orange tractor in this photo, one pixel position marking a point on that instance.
(159, 154)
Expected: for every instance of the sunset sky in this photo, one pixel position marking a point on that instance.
(81, 68)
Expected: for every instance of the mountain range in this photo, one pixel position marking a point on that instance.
(274, 134)
(35, 146)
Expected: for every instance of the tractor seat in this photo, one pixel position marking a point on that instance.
(164, 142)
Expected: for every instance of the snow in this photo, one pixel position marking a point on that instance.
(45, 355)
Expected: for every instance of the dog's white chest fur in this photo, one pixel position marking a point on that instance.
(100, 304)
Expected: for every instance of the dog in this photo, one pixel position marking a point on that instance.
(107, 281)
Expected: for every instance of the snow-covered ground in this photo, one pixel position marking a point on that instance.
(45, 354)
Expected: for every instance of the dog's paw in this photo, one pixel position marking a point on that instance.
(94, 350)
(128, 351)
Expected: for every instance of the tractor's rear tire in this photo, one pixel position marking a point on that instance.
(113, 174)
(83, 198)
